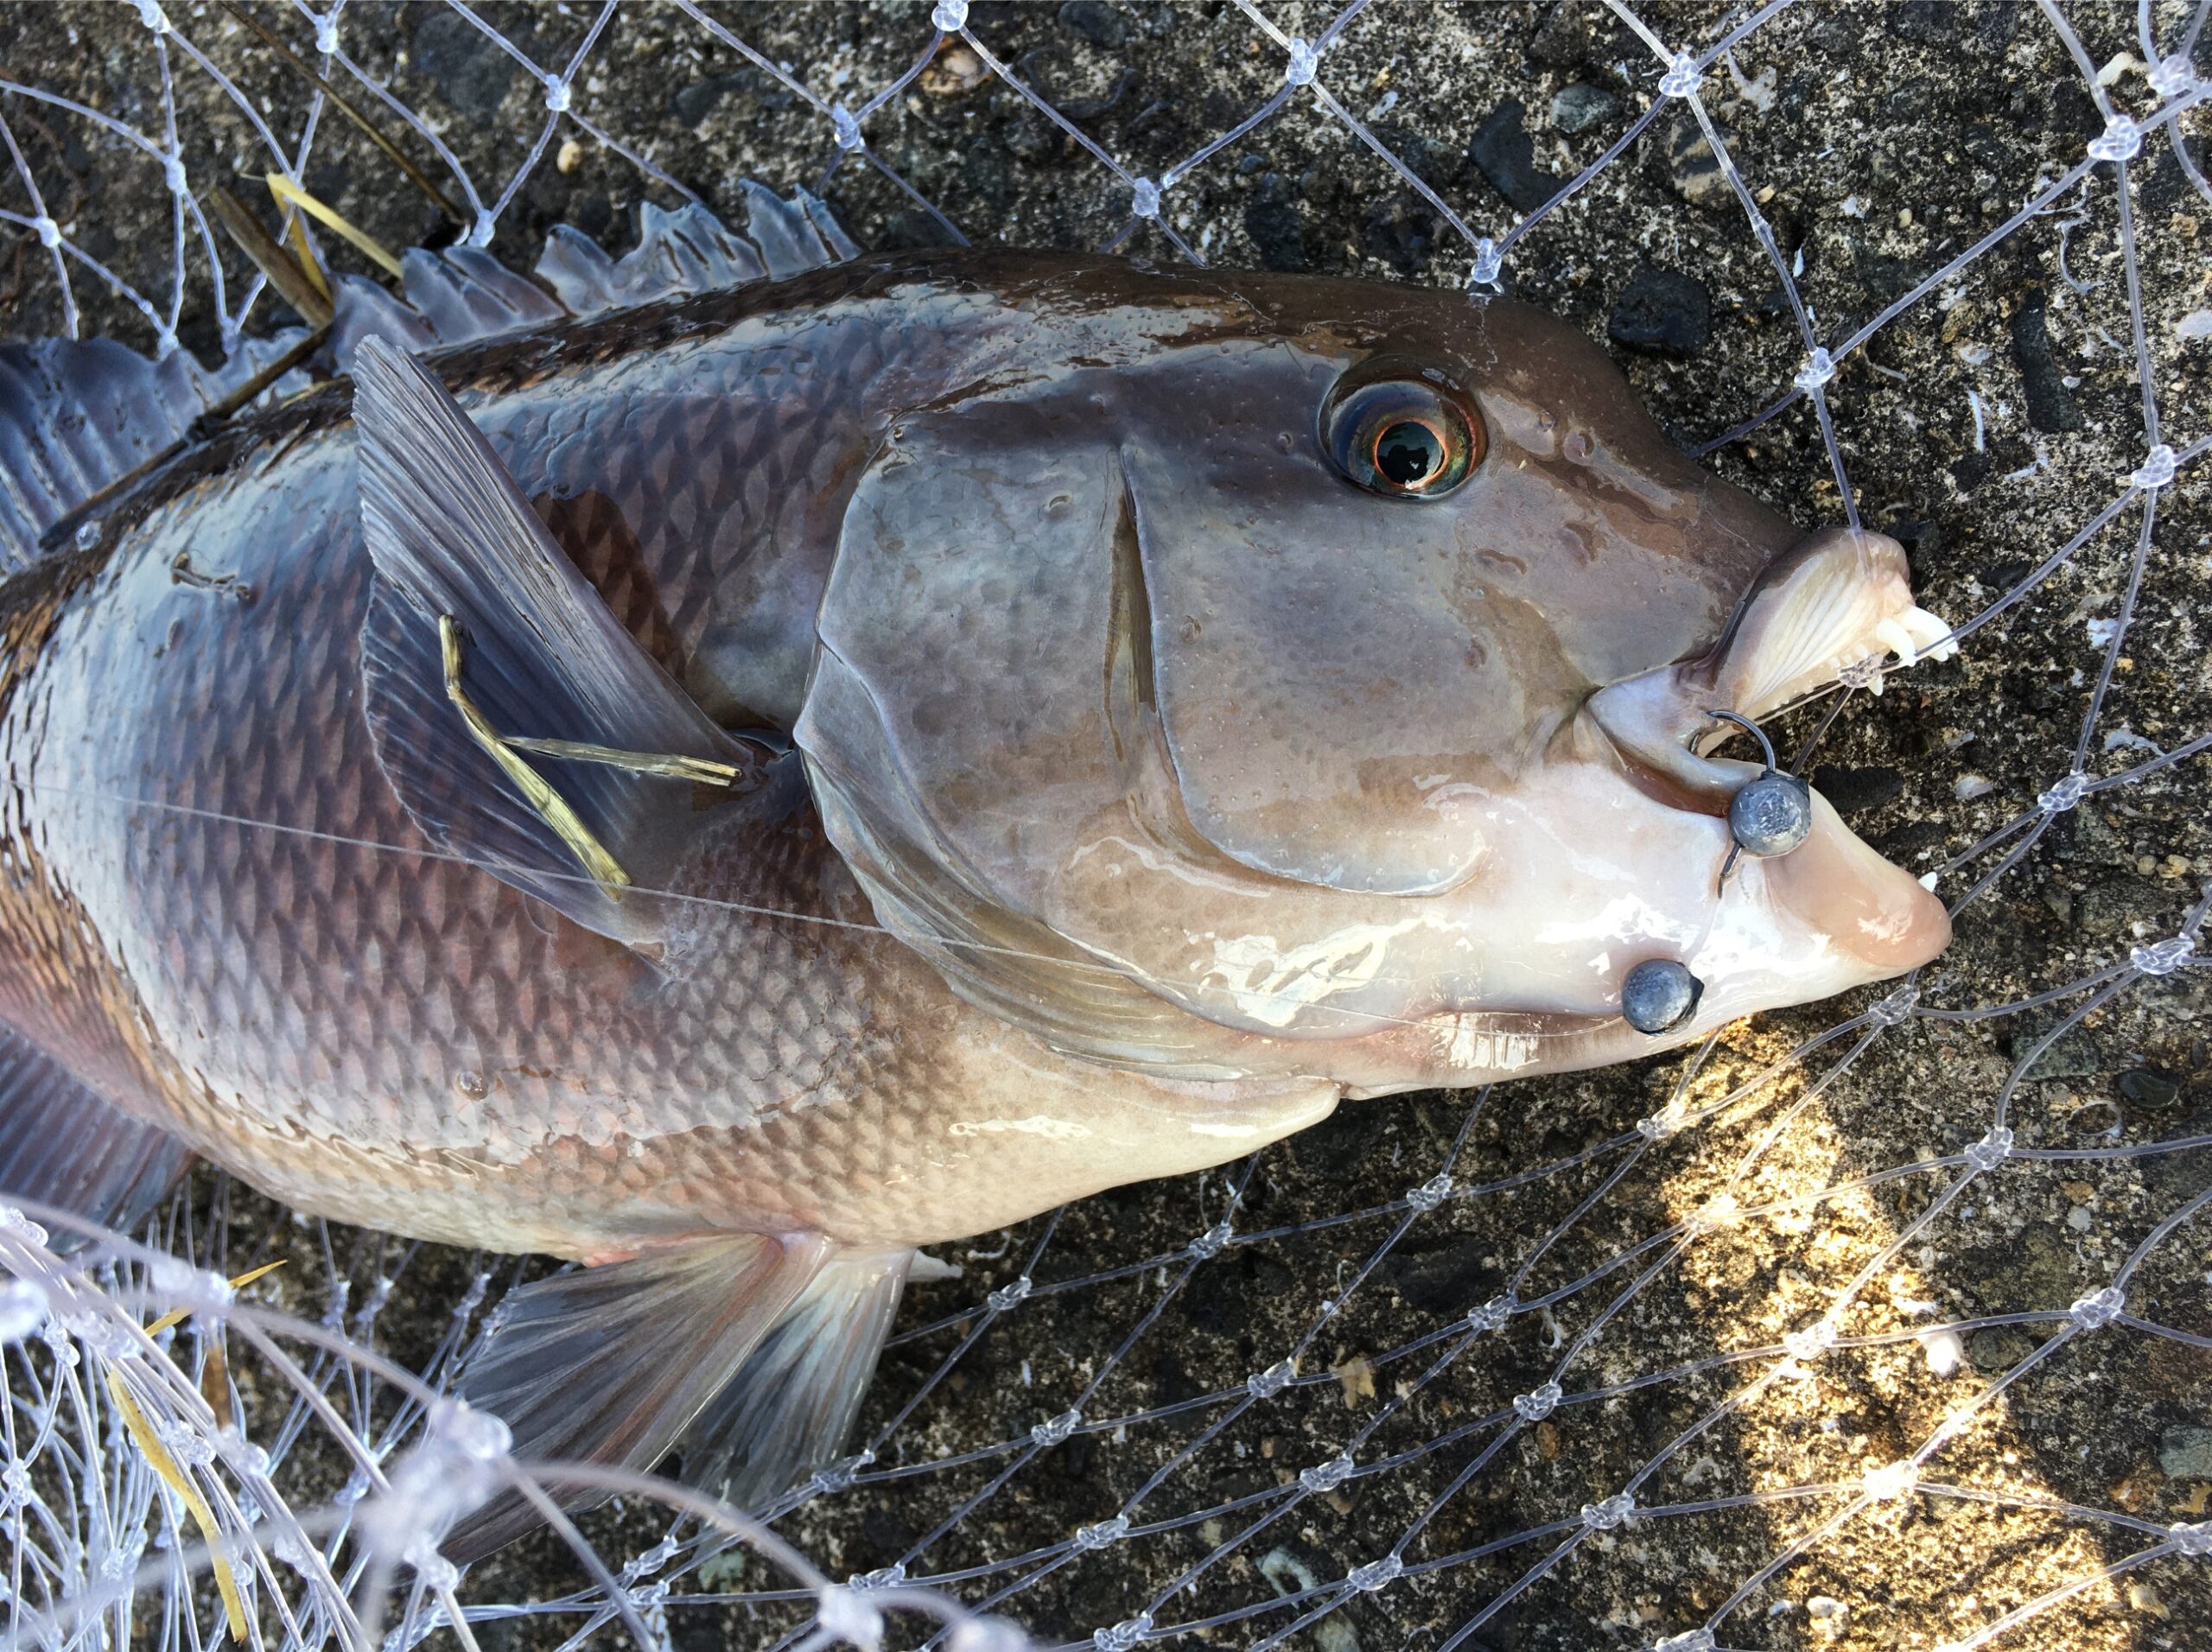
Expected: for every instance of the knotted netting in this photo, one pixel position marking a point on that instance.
(1880, 1322)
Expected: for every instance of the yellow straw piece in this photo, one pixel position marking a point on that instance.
(293, 276)
(157, 1455)
(177, 1317)
(296, 230)
(549, 803)
(705, 770)
(288, 194)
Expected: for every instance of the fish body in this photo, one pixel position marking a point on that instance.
(1123, 781)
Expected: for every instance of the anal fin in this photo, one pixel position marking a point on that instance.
(609, 1364)
(62, 1144)
(787, 1411)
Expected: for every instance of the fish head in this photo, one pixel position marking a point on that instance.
(1331, 662)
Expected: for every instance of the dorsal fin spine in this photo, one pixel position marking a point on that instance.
(462, 294)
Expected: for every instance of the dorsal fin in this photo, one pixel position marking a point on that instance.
(464, 294)
(75, 416)
(691, 251)
(361, 309)
(78, 413)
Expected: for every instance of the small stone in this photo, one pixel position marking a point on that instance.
(2148, 1088)
(1576, 109)
(2072, 1054)
(1930, 22)
(464, 63)
(1998, 1348)
(1853, 789)
(1692, 167)
(2142, 1597)
(2051, 406)
(2185, 1453)
(1094, 21)
(1502, 150)
(1663, 310)
(1277, 230)
(696, 102)
(953, 71)
(1401, 231)
(1562, 40)
(2111, 905)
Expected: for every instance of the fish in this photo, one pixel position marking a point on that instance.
(736, 764)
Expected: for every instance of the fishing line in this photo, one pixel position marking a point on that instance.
(743, 908)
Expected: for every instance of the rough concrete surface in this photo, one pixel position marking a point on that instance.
(1984, 428)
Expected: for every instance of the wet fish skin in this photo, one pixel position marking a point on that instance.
(315, 1015)
(1146, 788)
(1347, 748)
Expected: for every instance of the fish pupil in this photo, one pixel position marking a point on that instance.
(1408, 453)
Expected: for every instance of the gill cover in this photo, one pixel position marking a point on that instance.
(978, 708)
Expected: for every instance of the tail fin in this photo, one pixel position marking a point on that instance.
(753, 1351)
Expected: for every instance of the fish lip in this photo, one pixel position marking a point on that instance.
(1671, 773)
(1834, 884)
(1465, 1047)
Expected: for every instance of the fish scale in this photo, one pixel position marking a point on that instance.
(1119, 787)
(359, 936)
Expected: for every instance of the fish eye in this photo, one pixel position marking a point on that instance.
(1408, 452)
(1393, 432)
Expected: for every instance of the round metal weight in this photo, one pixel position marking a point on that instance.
(1659, 995)
(1771, 814)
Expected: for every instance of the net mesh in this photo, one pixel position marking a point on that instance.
(1878, 1323)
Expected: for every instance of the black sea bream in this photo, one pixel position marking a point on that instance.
(732, 780)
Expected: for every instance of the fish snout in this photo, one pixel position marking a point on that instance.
(1877, 917)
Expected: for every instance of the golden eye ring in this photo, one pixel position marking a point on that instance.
(1405, 434)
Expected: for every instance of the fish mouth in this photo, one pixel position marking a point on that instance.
(1830, 608)
(1876, 915)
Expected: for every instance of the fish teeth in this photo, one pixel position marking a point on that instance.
(1893, 636)
(1857, 671)
(1932, 632)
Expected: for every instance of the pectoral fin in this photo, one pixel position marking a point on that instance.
(482, 631)
(65, 1146)
(610, 1364)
